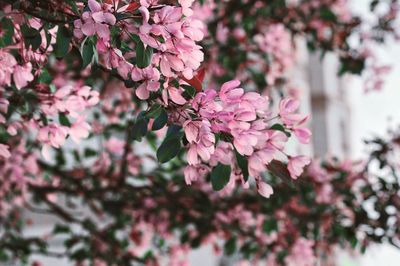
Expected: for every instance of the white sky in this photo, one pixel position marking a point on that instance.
(371, 115)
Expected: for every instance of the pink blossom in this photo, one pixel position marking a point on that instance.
(222, 33)
(301, 254)
(296, 165)
(52, 135)
(287, 109)
(149, 77)
(276, 139)
(186, 4)
(264, 189)
(194, 172)
(175, 94)
(148, 3)
(259, 160)
(80, 129)
(324, 194)
(302, 134)
(13, 128)
(4, 151)
(229, 92)
(202, 141)
(22, 75)
(7, 64)
(94, 22)
(169, 63)
(115, 146)
(295, 121)
(223, 154)
(4, 103)
(244, 137)
(193, 29)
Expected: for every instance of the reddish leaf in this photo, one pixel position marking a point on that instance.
(197, 80)
(200, 74)
(133, 6)
(279, 170)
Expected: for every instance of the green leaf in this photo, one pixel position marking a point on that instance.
(160, 121)
(61, 229)
(32, 37)
(230, 246)
(280, 127)
(143, 55)
(173, 130)
(189, 91)
(327, 14)
(90, 153)
(270, 226)
(154, 111)
(353, 242)
(7, 32)
(279, 170)
(351, 65)
(170, 148)
(45, 76)
(243, 165)
(63, 40)
(134, 37)
(64, 120)
(74, 7)
(220, 176)
(3, 255)
(87, 52)
(140, 127)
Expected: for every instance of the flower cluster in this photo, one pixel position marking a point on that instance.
(21, 74)
(17, 168)
(68, 101)
(174, 38)
(243, 119)
(129, 76)
(277, 43)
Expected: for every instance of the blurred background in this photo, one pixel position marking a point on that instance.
(343, 115)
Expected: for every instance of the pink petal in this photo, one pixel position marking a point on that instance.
(264, 189)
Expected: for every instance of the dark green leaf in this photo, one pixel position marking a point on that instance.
(230, 246)
(189, 91)
(353, 242)
(140, 127)
(173, 130)
(243, 165)
(64, 120)
(143, 55)
(32, 37)
(270, 226)
(62, 42)
(7, 32)
(61, 229)
(90, 153)
(220, 176)
(154, 111)
(351, 65)
(170, 147)
(74, 7)
(160, 121)
(327, 14)
(280, 128)
(88, 50)
(134, 37)
(45, 77)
